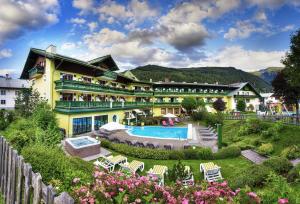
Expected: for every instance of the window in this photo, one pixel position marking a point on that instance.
(3, 102)
(82, 125)
(3, 92)
(17, 93)
(67, 77)
(99, 121)
(87, 79)
(247, 100)
(163, 111)
(176, 111)
(67, 97)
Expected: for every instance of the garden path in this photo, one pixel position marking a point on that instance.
(253, 156)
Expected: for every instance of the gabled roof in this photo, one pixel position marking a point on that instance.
(10, 83)
(240, 86)
(34, 53)
(107, 59)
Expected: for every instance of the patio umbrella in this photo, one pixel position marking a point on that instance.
(169, 115)
(113, 126)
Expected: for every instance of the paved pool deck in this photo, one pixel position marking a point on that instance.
(196, 139)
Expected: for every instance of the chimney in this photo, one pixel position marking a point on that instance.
(167, 79)
(6, 76)
(51, 49)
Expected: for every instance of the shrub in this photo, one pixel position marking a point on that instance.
(265, 149)
(278, 189)
(119, 188)
(178, 172)
(189, 104)
(253, 176)
(291, 152)
(279, 164)
(159, 154)
(6, 117)
(228, 152)
(241, 105)
(176, 155)
(214, 118)
(294, 174)
(199, 115)
(56, 167)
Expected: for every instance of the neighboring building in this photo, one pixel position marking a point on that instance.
(86, 95)
(9, 89)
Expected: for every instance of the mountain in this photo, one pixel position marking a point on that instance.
(268, 74)
(222, 75)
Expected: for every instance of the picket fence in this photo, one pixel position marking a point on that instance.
(19, 184)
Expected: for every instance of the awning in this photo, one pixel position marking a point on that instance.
(169, 115)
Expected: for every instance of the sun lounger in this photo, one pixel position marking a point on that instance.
(171, 123)
(158, 171)
(211, 171)
(153, 145)
(177, 120)
(133, 166)
(110, 162)
(168, 146)
(189, 180)
(205, 128)
(164, 123)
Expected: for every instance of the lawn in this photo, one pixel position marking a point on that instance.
(229, 167)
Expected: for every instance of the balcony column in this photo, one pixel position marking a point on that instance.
(123, 104)
(110, 104)
(93, 123)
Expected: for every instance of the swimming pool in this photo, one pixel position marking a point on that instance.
(158, 132)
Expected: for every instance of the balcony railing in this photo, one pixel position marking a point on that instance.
(82, 86)
(164, 103)
(157, 93)
(93, 106)
(36, 71)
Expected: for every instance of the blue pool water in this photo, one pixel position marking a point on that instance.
(82, 142)
(158, 132)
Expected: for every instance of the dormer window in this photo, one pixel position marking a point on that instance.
(68, 77)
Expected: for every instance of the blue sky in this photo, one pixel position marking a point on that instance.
(246, 34)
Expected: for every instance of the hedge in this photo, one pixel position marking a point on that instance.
(160, 154)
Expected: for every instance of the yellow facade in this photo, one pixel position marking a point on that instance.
(110, 97)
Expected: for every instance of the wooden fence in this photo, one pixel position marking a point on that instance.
(19, 184)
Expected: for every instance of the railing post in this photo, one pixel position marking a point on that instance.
(110, 104)
(122, 104)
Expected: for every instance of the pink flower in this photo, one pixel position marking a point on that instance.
(252, 195)
(185, 201)
(283, 201)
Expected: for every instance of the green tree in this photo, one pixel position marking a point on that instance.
(282, 88)
(26, 102)
(241, 105)
(219, 105)
(292, 68)
(189, 104)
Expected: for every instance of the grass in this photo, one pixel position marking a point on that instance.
(289, 136)
(229, 167)
(1, 199)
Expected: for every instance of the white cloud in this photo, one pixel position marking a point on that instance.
(248, 60)
(92, 26)
(288, 28)
(5, 53)
(261, 16)
(78, 20)
(244, 29)
(273, 3)
(3, 72)
(68, 46)
(83, 5)
(26, 15)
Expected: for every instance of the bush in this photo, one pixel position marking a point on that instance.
(6, 117)
(178, 172)
(56, 167)
(252, 126)
(279, 164)
(265, 149)
(228, 152)
(294, 174)
(241, 105)
(213, 119)
(199, 115)
(159, 154)
(291, 152)
(219, 105)
(253, 176)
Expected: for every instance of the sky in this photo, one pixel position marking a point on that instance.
(246, 34)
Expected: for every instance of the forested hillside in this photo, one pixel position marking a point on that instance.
(223, 75)
(268, 74)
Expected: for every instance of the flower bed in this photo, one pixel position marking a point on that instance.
(119, 188)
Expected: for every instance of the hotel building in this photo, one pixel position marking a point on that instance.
(86, 95)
